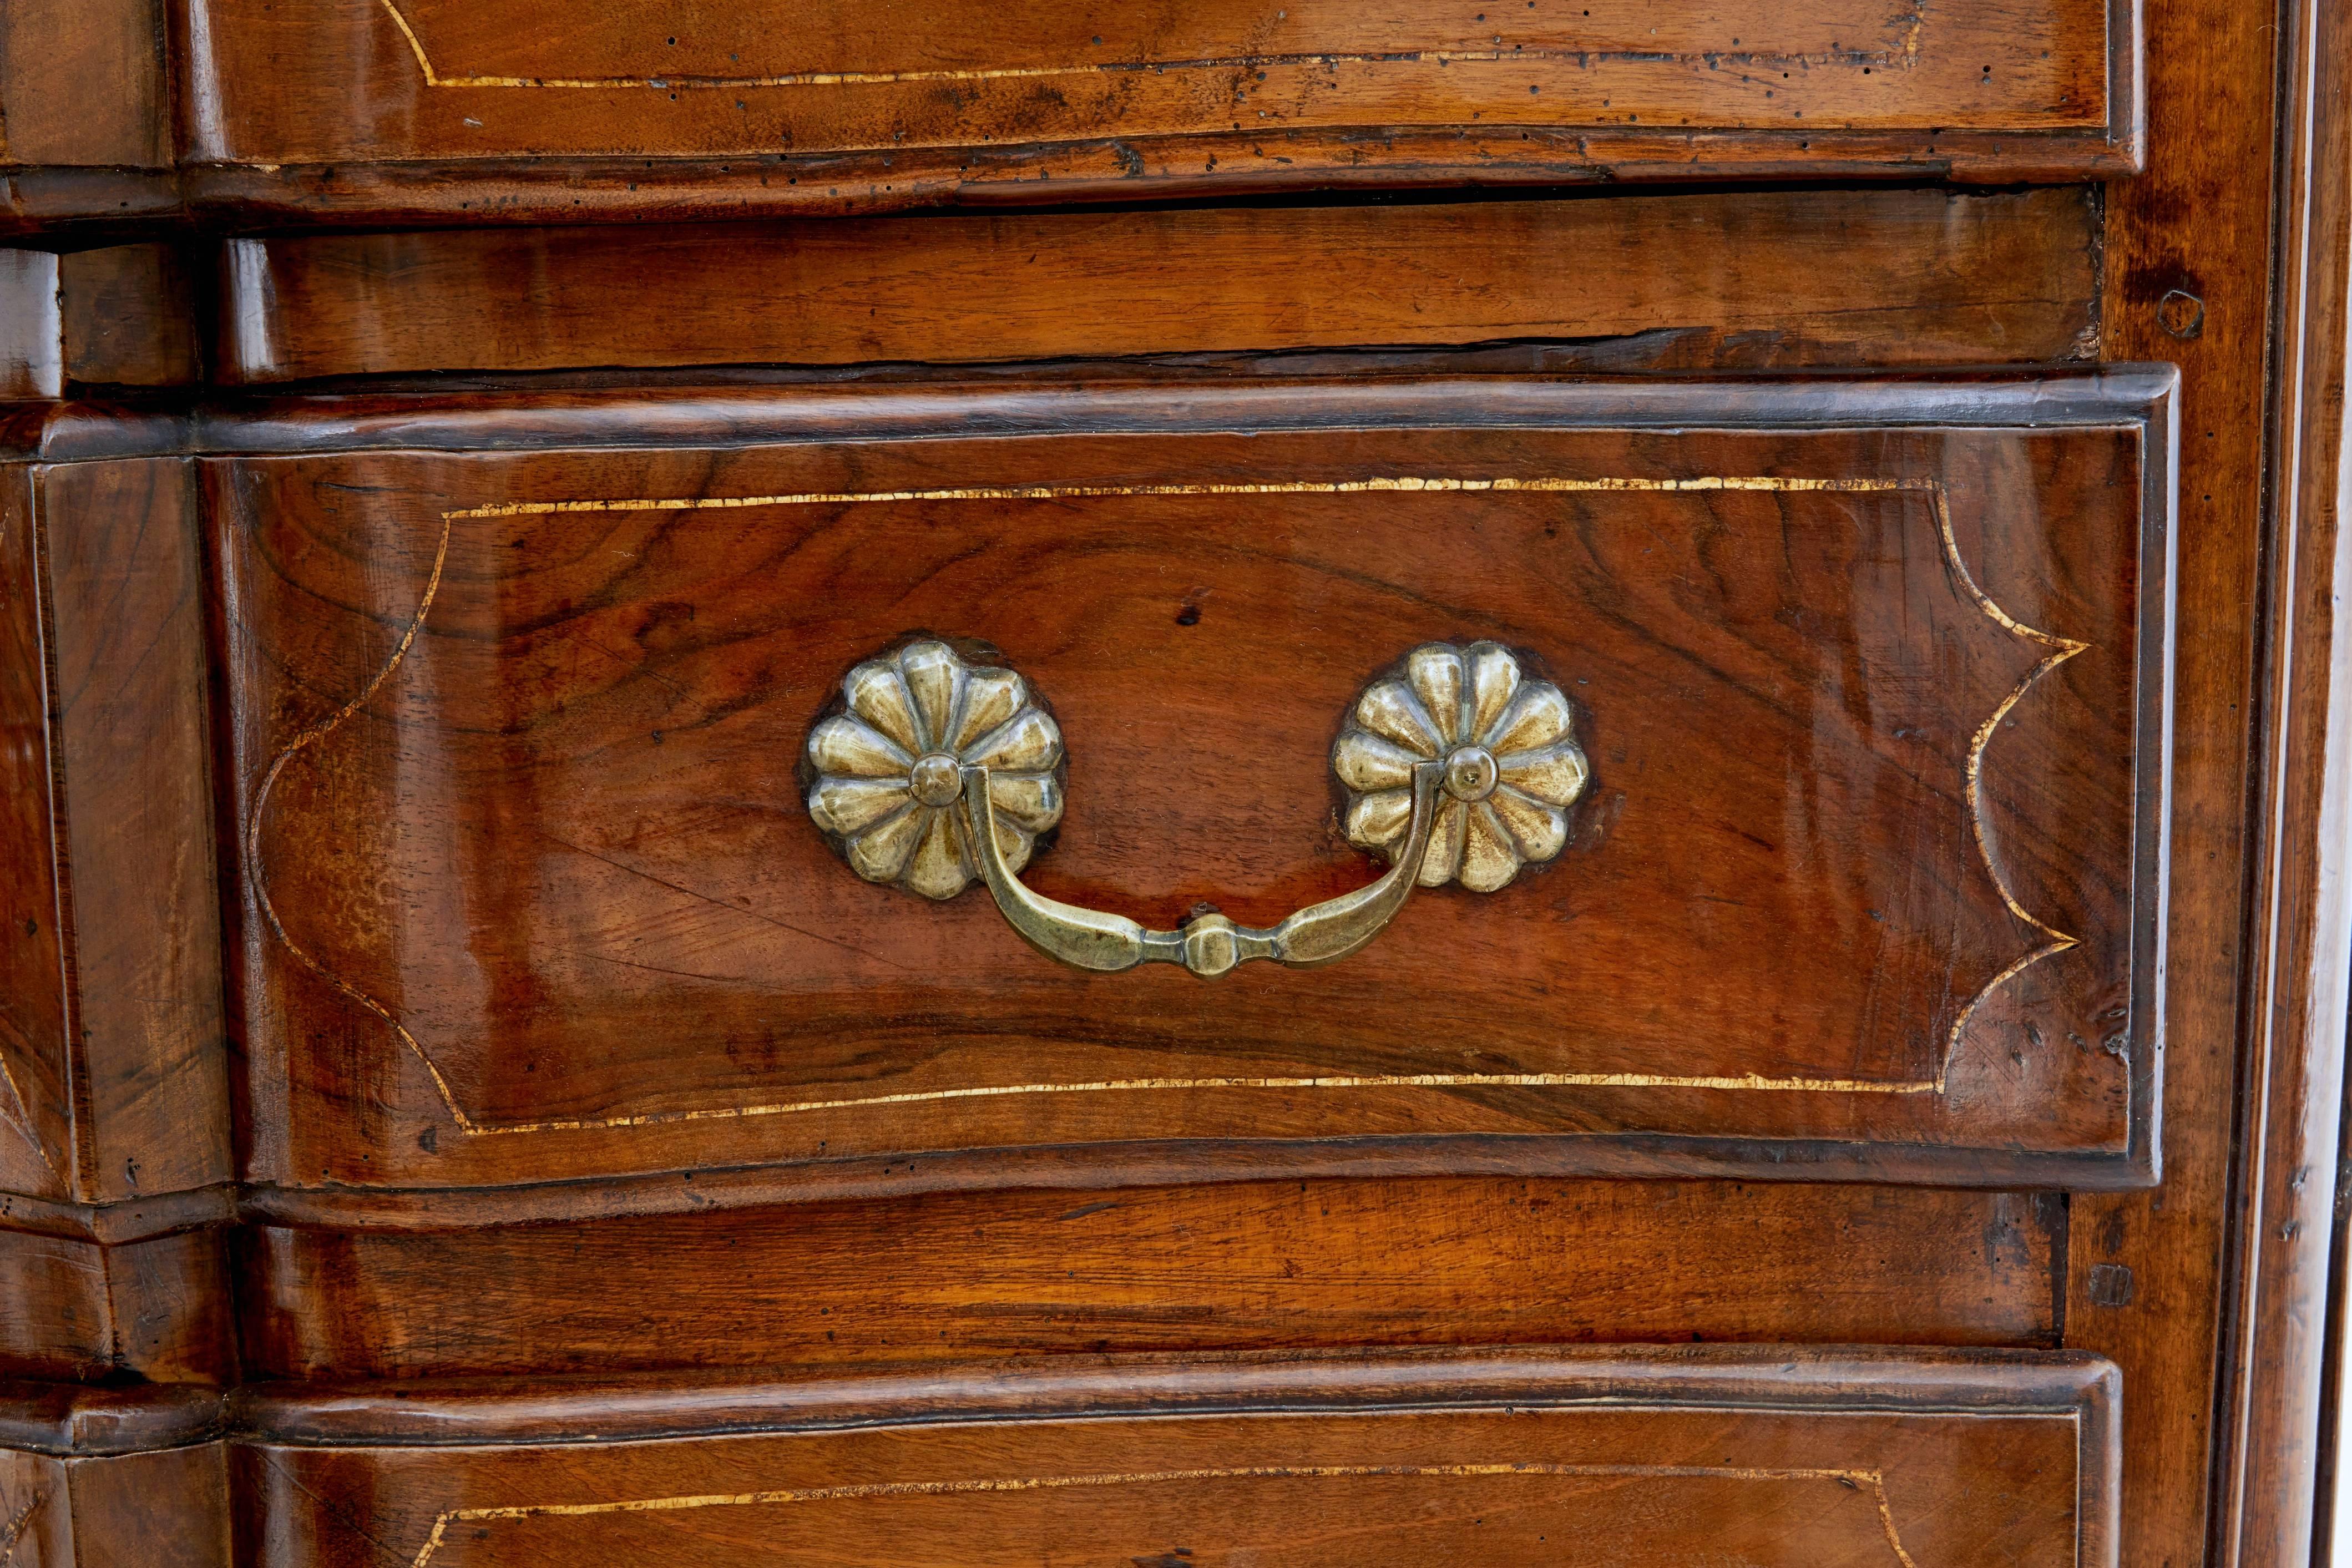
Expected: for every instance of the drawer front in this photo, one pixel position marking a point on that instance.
(1778, 1457)
(502, 108)
(1778, 279)
(86, 113)
(1862, 877)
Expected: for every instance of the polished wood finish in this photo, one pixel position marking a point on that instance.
(161, 1510)
(1847, 1004)
(1493, 1456)
(83, 84)
(112, 317)
(349, 1294)
(2189, 256)
(33, 990)
(348, 1311)
(127, 318)
(140, 1064)
(2301, 927)
(82, 1311)
(522, 110)
(86, 114)
(1785, 278)
(112, 1042)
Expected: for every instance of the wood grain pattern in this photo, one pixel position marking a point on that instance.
(128, 317)
(2146, 1267)
(1776, 279)
(2301, 932)
(117, 316)
(522, 110)
(35, 1099)
(1952, 1034)
(165, 1510)
(1221, 1268)
(87, 139)
(80, 1312)
(83, 84)
(1493, 1457)
(145, 1036)
(98, 1478)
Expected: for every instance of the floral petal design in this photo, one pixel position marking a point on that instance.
(1445, 853)
(1028, 744)
(1435, 673)
(933, 676)
(1029, 801)
(990, 697)
(1536, 717)
(848, 805)
(1366, 762)
(887, 790)
(1382, 818)
(1510, 769)
(879, 695)
(937, 870)
(1489, 858)
(1391, 710)
(1540, 831)
(879, 853)
(1555, 774)
(845, 746)
(1494, 680)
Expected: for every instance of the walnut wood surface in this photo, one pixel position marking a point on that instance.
(2302, 926)
(113, 1073)
(83, 84)
(32, 960)
(81, 1311)
(1657, 607)
(167, 1510)
(1779, 278)
(2188, 249)
(2202, 1289)
(1495, 1457)
(103, 1478)
(130, 820)
(1239, 1267)
(522, 110)
(119, 316)
(85, 115)
(128, 317)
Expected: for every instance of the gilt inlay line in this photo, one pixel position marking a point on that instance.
(1873, 1480)
(1904, 54)
(2054, 940)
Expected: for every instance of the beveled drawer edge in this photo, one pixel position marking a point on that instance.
(735, 415)
(761, 407)
(459, 1412)
(78, 1419)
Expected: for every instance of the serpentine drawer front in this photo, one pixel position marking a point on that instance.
(1789, 1458)
(1776, 772)
(506, 110)
(1194, 784)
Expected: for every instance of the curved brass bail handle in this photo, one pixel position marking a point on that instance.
(1209, 945)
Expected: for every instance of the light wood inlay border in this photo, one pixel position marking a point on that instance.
(1903, 53)
(2055, 941)
(1871, 1480)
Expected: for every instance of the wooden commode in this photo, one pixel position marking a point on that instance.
(1224, 786)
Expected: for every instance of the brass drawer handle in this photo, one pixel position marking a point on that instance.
(938, 772)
